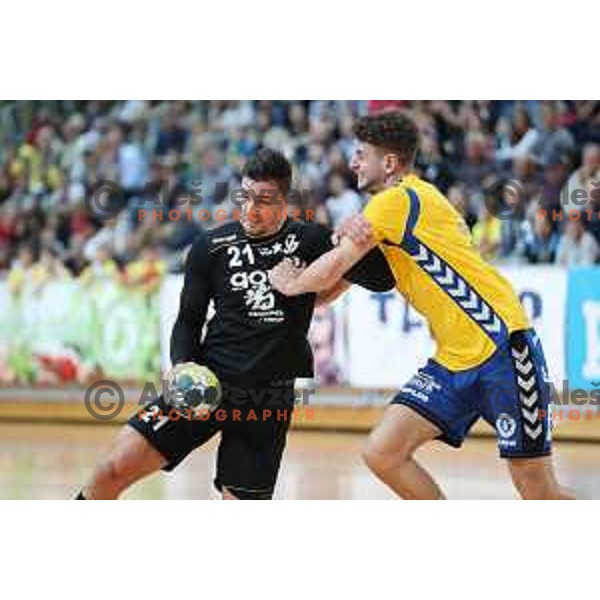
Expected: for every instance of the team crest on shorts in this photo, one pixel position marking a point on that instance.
(505, 426)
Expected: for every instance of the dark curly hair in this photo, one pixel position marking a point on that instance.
(270, 165)
(390, 130)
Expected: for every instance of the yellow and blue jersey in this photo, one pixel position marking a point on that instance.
(471, 308)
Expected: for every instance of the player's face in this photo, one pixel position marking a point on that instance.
(264, 207)
(369, 167)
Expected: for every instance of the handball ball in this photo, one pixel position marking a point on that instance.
(194, 387)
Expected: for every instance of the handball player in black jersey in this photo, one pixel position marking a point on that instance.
(256, 343)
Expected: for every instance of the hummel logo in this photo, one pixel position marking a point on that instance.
(521, 356)
(435, 266)
(484, 315)
(422, 254)
(524, 368)
(532, 417)
(471, 303)
(447, 278)
(529, 402)
(533, 433)
(494, 326)
(526, 384)
(460, 290)
(457, 288)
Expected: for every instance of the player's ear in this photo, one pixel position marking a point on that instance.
(391, 163)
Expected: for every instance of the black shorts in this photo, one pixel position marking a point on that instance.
(253, 421)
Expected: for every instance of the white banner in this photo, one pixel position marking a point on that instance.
(388, 341)
(378, 341)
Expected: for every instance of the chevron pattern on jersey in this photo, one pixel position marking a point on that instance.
(528, 392)
(459, 290)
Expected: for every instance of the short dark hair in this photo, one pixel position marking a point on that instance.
(391, 130)
(270, 165)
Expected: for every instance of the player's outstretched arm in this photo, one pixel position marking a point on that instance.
(322, 274)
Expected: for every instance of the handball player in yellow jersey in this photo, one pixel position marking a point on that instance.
(488, 363)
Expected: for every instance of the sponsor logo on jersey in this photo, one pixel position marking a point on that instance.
(291, 244)
(273, 250)
(226, 239)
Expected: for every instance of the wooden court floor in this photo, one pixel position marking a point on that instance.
(49, 461)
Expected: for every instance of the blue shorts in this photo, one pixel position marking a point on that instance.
(510, 390)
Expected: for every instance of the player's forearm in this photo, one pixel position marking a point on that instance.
(185, 337)
(185, 341)
(193, 305)
(320, 276)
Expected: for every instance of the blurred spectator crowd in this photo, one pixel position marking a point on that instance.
(52, 153)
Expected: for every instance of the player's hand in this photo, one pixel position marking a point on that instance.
(357, 229)
(283, 275)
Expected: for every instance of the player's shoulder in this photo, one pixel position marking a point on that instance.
(307, 227)
(226, 233)
(311, 231)
(420, 190)
(392, 200)
(207, 240)
(409, 191)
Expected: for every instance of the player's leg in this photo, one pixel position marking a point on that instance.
(431, 405)
(130, 459)
(227, 495)
(252, 443)
(516, 400)
(534, 479)
(156, 437)
(389, 453)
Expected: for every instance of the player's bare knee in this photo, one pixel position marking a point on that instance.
(110, 477)
(380, 459)
(377, 462)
